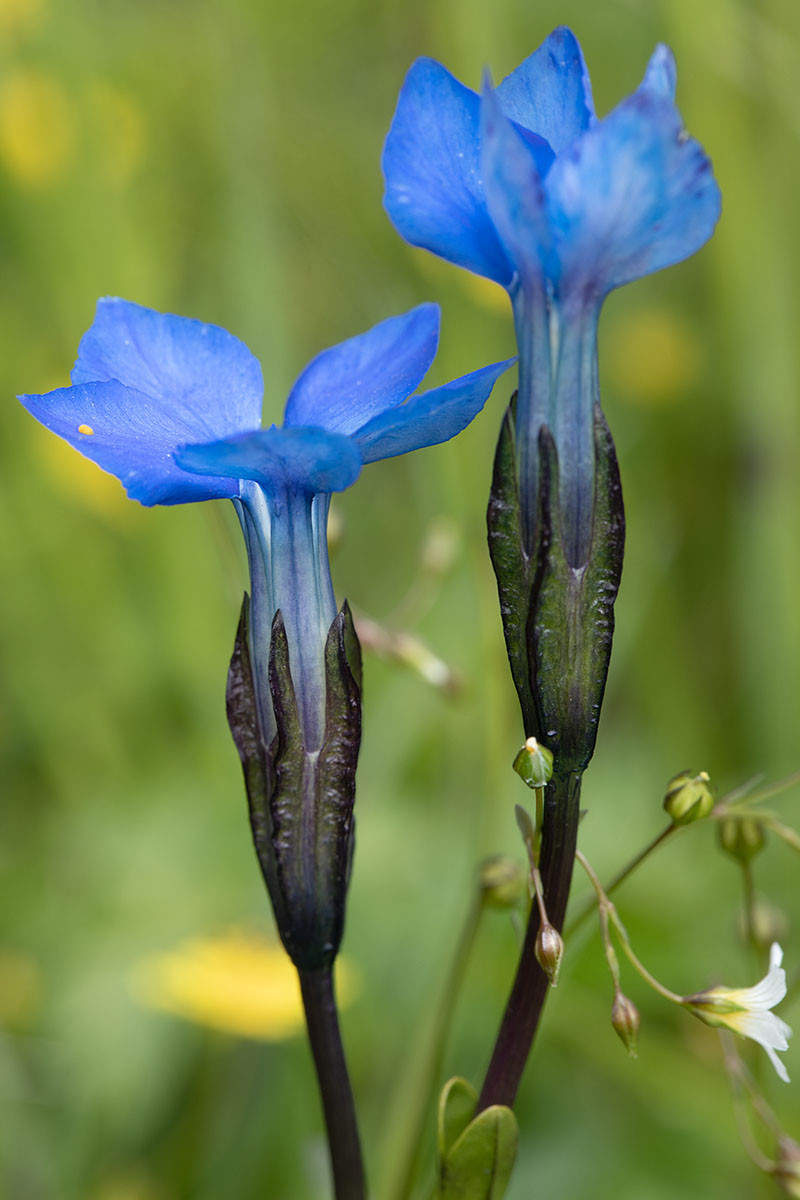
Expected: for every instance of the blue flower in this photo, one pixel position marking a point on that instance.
(172, 407)
(526, 186)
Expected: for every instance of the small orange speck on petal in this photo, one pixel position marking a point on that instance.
(85, 429)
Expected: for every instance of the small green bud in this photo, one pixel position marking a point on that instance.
(787, 1169)
(688, 798)
(534, 764)
(441, 547)
(625, 1019)
(549, 951)
(503, 882)
(767, 924)
(741, 837)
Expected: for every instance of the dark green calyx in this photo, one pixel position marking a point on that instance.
(301, 802)
(558, 618)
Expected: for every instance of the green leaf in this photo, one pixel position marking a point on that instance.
(478, 1165)
(457, 1105)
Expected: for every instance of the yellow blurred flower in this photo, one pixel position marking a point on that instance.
(651, 357)
(486, 292)
(20, 990)
(19, 17)
(133, 1184)
(78, 478)
(482, 291)
(37, 127)
(239, 983)
(119, 129)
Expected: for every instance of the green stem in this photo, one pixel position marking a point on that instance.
(750, 907)
(622, 875)
(414, 1097)
(537, 846)
(609, 911)
(334, 1083)
(539, 894)
(773, 789)
(784, 832)
(743, 1089)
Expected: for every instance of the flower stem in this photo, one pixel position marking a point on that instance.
(772, 789)
(622, 875)
(743, 1088)
(334, 1083)
(609, 913)
(416, 1091)
(749, 893)
(526, 1001)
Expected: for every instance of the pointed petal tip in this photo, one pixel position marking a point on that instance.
(430, 417)
(563, 35)
(661, 74)
(550, 92)
(780, 1068)
(345, 385)
(492, 116)
(430, 310)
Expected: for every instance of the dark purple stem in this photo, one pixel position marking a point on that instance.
(525, 1004)
(334, 1084)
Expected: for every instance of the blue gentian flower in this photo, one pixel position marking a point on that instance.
(172, 407)
(525, 186)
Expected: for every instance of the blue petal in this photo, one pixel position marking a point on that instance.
(635, 194)
(132, 436)
(431, 163)
(433, 417)
(346, 385)
(303, 459)
(203, 374)
(551, 93)
(514, 191)
(661, 74)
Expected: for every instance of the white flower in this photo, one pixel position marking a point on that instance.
(747, 1011)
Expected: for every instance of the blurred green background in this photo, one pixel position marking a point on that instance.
(222, 161)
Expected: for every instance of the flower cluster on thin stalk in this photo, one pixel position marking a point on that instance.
(746, 1012)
